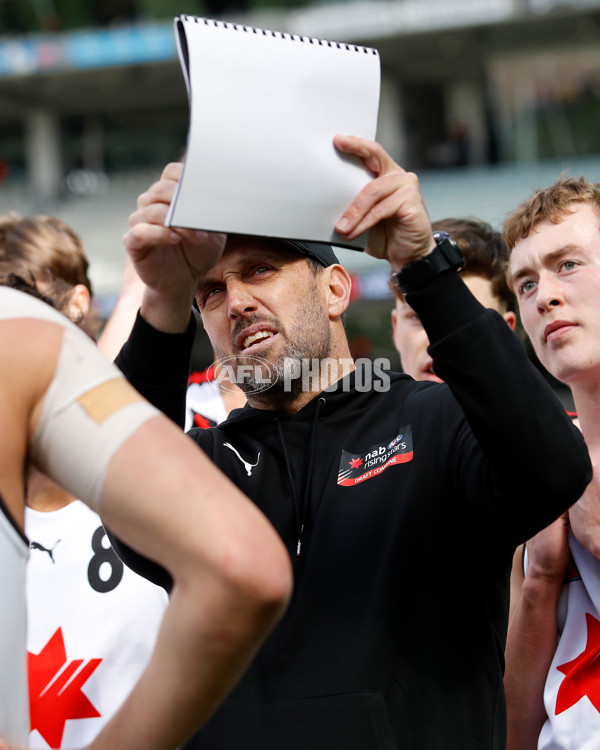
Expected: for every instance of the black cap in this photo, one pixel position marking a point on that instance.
(319, 251)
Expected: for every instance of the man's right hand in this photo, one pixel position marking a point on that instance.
(169, 261)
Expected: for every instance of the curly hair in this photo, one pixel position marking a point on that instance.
(485, 255)
(550, 204)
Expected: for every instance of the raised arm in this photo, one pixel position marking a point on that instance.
(482, 361)
(169, 261)
(118, 326)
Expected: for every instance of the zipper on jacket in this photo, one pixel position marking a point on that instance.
(301, 506)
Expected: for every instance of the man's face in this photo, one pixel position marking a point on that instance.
(556, 276)
(410, 338)
(262, 302)
(411, 341)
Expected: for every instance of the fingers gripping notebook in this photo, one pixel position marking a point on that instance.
(264, 107)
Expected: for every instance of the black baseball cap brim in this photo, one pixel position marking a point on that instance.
(319, 251)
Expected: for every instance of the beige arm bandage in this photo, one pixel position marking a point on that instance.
(89, 411)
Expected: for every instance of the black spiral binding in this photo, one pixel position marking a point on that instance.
(279, 34)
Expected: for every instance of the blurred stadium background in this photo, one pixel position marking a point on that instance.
(485, 99)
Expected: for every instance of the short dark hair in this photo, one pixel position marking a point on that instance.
(485, 252)
(314, 265)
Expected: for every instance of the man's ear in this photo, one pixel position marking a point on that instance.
(394, 320)
(511, 318)
(339, 287)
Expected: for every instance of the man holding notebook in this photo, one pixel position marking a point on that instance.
(400, 503)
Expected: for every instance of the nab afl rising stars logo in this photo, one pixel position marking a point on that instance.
(356, 468)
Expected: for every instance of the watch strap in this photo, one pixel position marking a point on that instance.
(446, 256)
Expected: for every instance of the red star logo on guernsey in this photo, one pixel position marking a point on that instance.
(582, 674)
(55, 689)
(355, 463)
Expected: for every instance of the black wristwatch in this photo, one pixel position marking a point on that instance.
(445, 257)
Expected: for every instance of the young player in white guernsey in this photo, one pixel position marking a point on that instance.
(91, 625)
(571, 693)
(552, 672)
(80, 598)
(71, 413)
(210, 396)
(14, 719)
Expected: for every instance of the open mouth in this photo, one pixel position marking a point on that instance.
(257, 336)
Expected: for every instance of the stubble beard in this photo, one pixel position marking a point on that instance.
(307, 339)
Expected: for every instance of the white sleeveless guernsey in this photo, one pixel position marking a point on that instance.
(92, 625)
(572, 691)
(88, 370)
(14, 708)
(14, 714)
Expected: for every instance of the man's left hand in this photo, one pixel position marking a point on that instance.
(391, 206)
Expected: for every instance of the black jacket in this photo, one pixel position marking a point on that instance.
(395, 634)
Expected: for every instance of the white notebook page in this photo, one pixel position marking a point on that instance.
(264, 108)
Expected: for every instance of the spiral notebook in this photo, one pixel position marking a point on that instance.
(264, 107)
